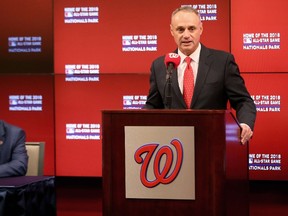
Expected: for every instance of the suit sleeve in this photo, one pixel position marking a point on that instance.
(17, 166)
(154, 98)
(238, 94)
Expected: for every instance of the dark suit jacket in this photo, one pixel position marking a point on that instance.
(13, 154)
(218, 80)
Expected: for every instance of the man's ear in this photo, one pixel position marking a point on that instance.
(171, 30)
(201, 28)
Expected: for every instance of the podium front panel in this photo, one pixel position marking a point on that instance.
(220, 164)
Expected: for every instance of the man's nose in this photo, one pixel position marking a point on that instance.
(186, 33)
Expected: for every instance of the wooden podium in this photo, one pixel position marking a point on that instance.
(221, 164)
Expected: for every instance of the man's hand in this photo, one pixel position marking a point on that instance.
(246, 133)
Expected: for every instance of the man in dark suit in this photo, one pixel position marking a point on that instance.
(217, 79)
(13, 153)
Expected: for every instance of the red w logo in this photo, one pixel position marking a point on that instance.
(164, 175)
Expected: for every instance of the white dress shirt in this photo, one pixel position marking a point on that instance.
(194, 64)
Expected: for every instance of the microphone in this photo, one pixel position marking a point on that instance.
(172, 60)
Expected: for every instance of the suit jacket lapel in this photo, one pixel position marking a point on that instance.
(202, 73)
(176, 88)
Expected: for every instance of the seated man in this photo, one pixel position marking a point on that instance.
(13, 153)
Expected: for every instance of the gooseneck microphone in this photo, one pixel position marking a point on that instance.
(172, 60)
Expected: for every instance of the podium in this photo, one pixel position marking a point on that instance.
(221, 164)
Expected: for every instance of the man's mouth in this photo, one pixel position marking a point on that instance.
(186, 42)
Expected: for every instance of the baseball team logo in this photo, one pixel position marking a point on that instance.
(173, 55)
(162, 174)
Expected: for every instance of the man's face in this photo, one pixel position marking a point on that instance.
(186, 28)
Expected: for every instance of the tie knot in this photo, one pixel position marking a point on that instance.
(188, 60)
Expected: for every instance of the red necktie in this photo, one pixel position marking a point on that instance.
(188, 83)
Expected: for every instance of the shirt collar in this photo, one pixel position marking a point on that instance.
(195, 55)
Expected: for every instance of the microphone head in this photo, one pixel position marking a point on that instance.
(173, 58)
